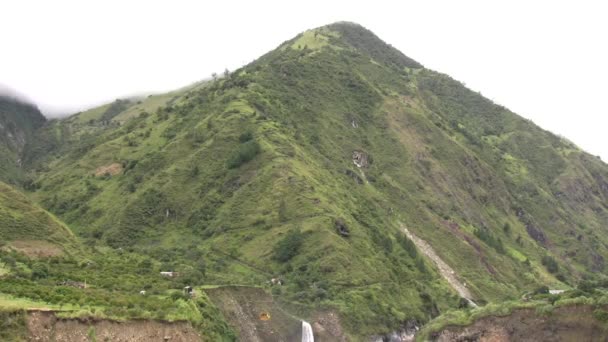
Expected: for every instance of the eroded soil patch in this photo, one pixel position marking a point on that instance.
(46, 327)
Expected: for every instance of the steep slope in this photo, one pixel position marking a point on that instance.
(27, 228)
(567, 323)
(78, 133)
(18, 121)
(310, 163)
(48, 280)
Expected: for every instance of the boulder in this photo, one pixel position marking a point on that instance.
(342, 228)
(361, 159)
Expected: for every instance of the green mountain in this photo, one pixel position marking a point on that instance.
(374, 188)
(18, 121)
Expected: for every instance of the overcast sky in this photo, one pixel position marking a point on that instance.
(547, 61)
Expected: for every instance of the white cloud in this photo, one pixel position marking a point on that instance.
(544, 60)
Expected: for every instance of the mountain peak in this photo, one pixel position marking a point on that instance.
(365, 41)
(352, 36)
(327, 172)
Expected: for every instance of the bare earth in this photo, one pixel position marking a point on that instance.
(46, 327)
(570, 323)
(112, 169)
(446, 271)
(35, 248)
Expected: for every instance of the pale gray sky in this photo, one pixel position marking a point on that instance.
(545, 60)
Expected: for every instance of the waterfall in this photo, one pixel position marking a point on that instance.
(307, 335)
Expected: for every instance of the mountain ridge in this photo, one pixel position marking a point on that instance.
(306, 164)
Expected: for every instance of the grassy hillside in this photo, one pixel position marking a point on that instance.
(307, 165)
(43, 266)
(26, 227)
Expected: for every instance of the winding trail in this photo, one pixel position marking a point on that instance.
(446, 271)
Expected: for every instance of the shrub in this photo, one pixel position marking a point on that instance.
(486, 236)
(545, 310)
(407, 245)
(245, 152)
(289, 246)
(245, 137)
(550, 264)
(420, 265)
(542, 290)
(40, 271)
(601, 315)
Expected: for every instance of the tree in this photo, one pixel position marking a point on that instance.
(40, 271)
(550, 264)
(542, 290)
(289, 246)
(244, 153)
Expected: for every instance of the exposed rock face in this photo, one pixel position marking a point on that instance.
(341, 228)
(406, 334)
(571, 323)
(536, 233)
(361, 159)
(327, 327)
(45, 326)
(243, 308)
(597, 262)
(18, 120)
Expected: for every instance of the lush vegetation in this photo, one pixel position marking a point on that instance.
(242, 179)
(26, 224)
(106, 284)
(289, 246)
(12, 325)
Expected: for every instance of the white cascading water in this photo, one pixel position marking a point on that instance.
(307, 335)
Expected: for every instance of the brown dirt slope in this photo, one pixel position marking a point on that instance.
(243, 308)
(571, 323)
(35, 248)
(112, 170)
(46, 327)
